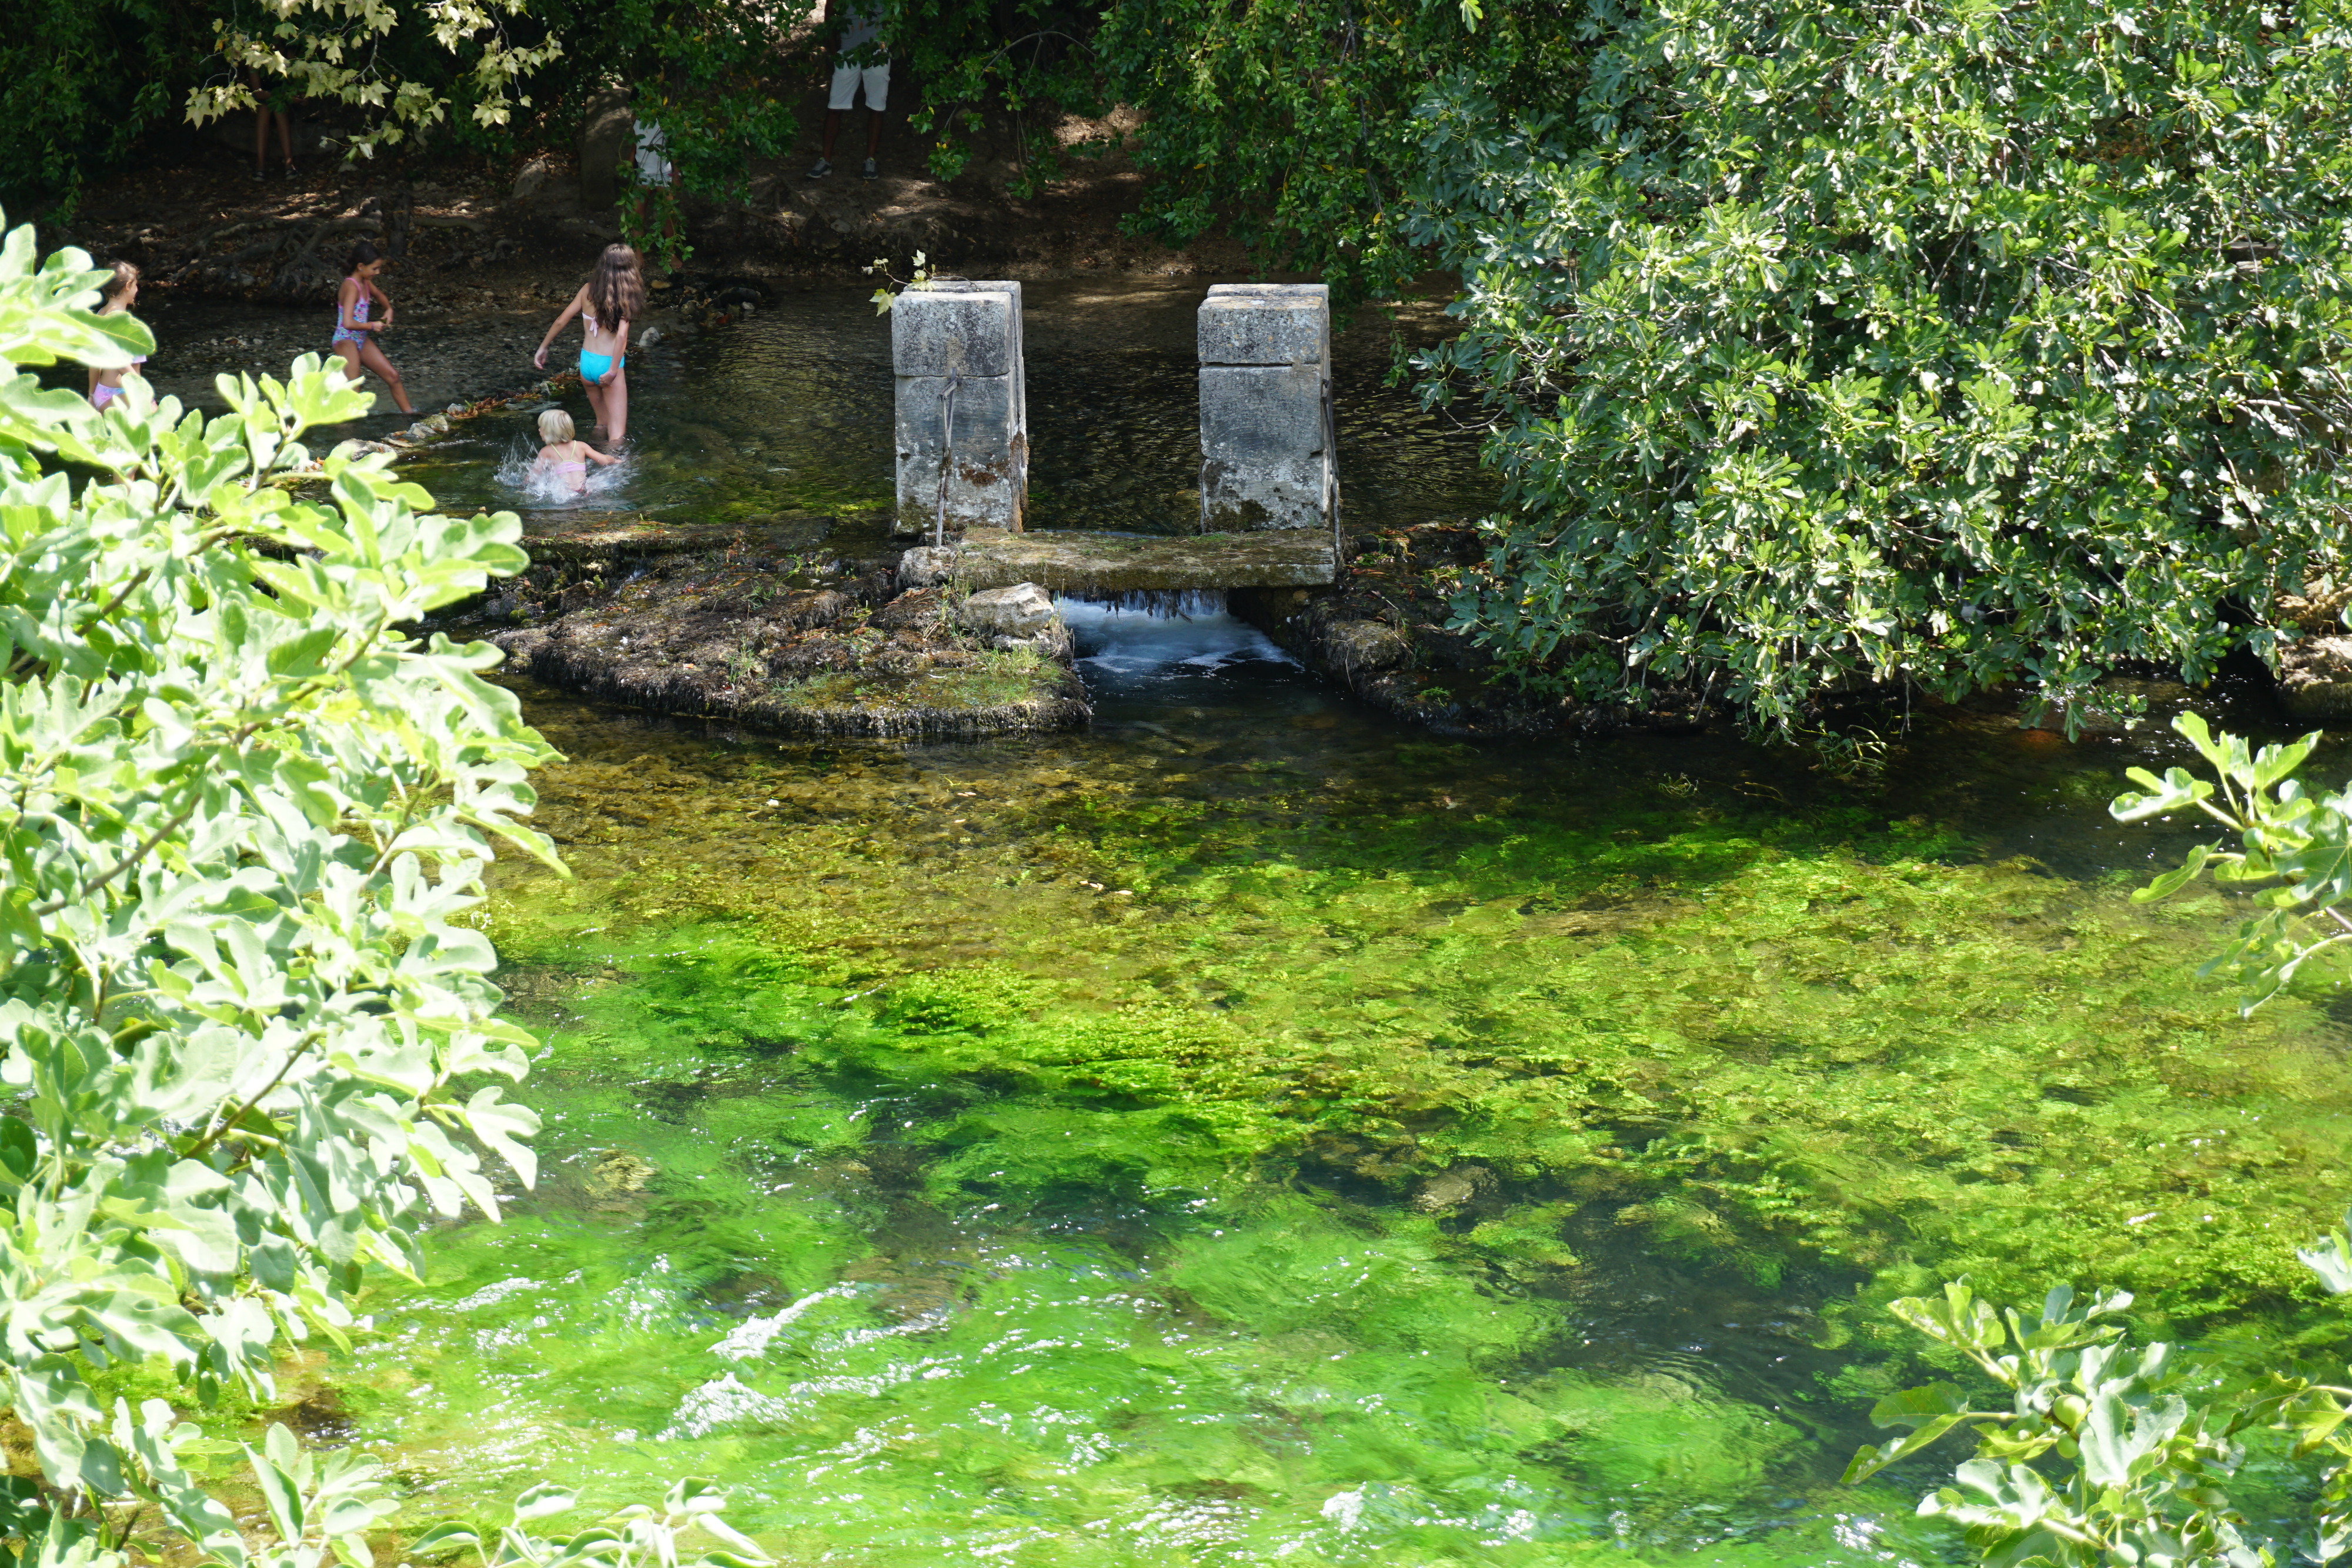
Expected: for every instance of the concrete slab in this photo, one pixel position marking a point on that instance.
(1089, 563)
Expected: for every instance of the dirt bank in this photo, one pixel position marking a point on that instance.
(194, 218)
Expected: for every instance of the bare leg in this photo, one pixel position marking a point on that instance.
(350, 358)
(873, 133)
(596, 401)
(261, 139)
(373, 357)
(832, 133)
(616, 403)
(284, 137)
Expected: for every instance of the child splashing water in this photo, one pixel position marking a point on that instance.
(562, 465)
(119, 293)
(353, 337)
(613, 295)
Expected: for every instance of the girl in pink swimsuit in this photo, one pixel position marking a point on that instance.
(355, 335)
(117, 294)
(564, 459)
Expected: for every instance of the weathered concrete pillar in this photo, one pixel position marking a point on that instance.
(963, 338)
(1265, 408)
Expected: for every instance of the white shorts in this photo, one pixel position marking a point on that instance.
(877, 87)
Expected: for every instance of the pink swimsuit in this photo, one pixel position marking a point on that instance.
(344, 334)
(102, 394)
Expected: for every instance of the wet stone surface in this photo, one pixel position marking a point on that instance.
(1096, 564)
(797, 625)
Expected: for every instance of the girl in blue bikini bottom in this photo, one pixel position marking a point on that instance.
(614, 296)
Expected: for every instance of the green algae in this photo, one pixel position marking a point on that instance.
(982, 678)
(1265, 1140)
(758, 1288)
(1746, 1040)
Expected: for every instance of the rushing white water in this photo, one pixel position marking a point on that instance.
(1123, 643)
(518, 473)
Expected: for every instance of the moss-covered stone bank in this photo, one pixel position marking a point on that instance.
(1240, 1134)
(796, 624)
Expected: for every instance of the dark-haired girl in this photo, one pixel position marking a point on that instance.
(119, 293)
(613, 295)
(354, 333)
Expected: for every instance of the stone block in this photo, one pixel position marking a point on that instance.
(1252, 413)
(935, 331)
(1266, 324)
(1111, 565)
(926, 566)
(1023, 610)
(987, 481)
(1020, 351)
(1265, 389)
(1263, 463)
(965, 336)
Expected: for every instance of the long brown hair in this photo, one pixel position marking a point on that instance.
(616, 289)
(120, 276)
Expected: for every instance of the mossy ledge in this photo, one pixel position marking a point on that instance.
(793, 625)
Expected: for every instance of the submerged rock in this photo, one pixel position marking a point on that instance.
(617, 1171)
(2315, 677)
(1451, 1189)
(1367, 645)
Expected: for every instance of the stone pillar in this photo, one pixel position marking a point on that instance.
(1265, 408)
(966, 336)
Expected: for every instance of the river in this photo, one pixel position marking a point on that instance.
(1248, 1131)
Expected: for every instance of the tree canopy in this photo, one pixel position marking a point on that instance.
(1834, 345)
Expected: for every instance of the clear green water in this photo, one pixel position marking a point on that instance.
(1249, 1133)
(954, 1209)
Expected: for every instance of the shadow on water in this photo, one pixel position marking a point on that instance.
(1245, 1131)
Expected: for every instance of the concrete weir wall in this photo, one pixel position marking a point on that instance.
(1266, 392)
(966, 335)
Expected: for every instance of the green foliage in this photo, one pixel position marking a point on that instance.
(1029, 61)
(722, 80)
(246, 1026)
(79, 79)
(1295, 123)
(238, 812)
(403, 64)
(2109, 1457)
(1841, 347)
(635, 1537)
(2296, 845)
